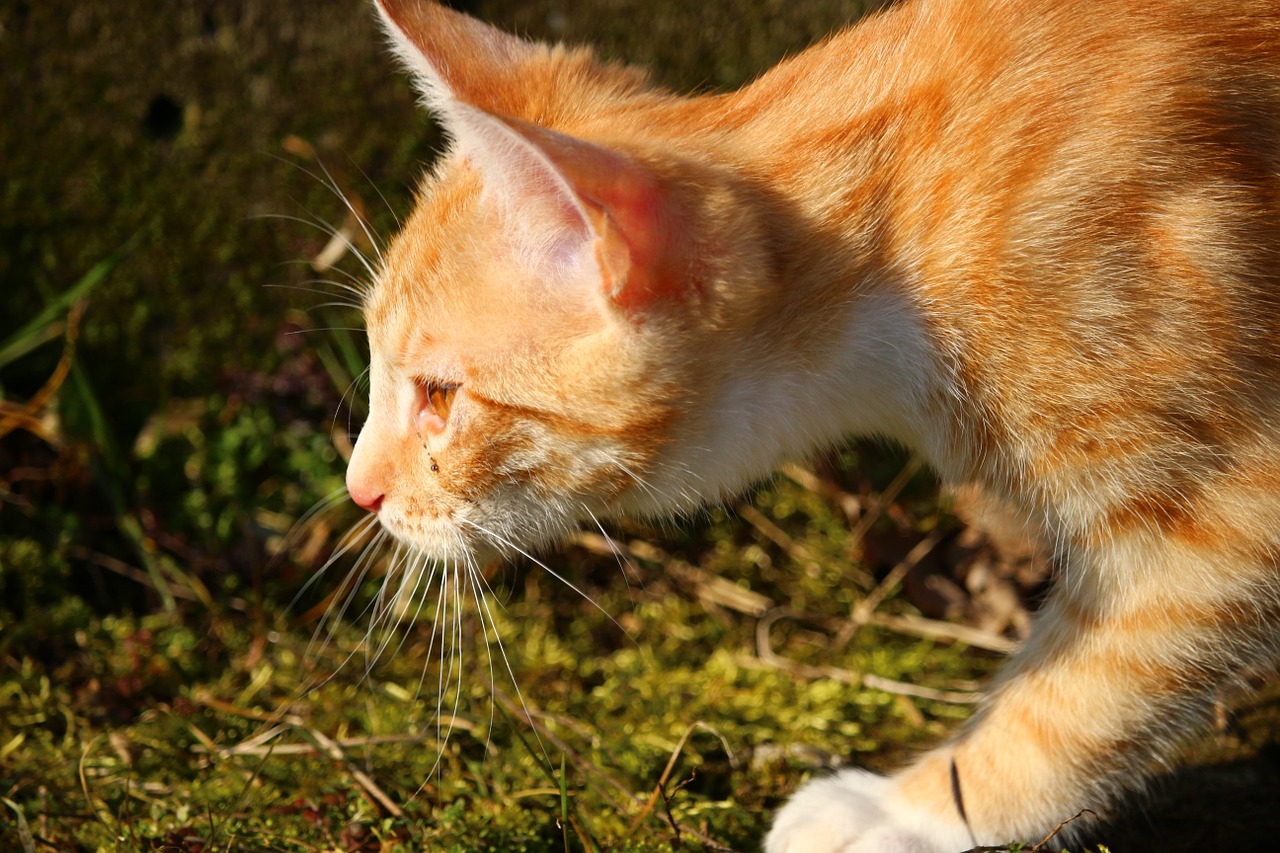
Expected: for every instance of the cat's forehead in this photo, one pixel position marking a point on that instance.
(418, 270)
(454, 279)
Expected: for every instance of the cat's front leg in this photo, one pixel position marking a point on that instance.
(1111, 680)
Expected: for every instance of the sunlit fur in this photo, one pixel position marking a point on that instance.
(1037, 242)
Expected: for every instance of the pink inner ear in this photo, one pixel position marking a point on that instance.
(639, 234)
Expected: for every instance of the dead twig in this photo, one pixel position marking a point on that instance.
(884, 499)
(666, 802)
(1057, 829)
(659, 789)
(1040, 846)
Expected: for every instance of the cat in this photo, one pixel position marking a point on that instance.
(1036, 242)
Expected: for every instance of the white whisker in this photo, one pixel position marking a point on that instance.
(330, 620)
(623, 562)
(357, 215)
(365, 175)
(348, 541)
(507, 543)
(334, 233)
(482, 608)
(354, 306)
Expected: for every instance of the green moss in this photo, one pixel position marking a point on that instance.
(158, 684)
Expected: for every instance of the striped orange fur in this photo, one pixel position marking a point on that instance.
(1037, 242)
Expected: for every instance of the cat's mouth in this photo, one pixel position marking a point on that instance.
(441, 537)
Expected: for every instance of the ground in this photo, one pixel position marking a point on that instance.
(176, 396)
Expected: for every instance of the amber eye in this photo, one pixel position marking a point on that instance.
(441, 399)
(434, 402)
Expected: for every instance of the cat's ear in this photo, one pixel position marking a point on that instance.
(577, 209)
(583, 211)
(454, 56)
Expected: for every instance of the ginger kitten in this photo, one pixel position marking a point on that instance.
(1036, 242)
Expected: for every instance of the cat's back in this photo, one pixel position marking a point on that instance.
(1086, 199)
(974, 81)
(1113, 259)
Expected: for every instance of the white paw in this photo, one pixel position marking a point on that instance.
(858, 812)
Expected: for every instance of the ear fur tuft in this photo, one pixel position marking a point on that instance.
(451, 55)
(544, 213)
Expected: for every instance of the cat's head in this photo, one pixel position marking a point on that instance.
(546, 330)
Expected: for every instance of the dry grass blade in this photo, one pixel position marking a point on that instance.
(120, 567)
(341, 241)
(863, 609)
(355, 224)
(30, 415)
(256, 746)
(364, 780)
(885, 498)
(766, 656)
(321, 743)
(84, 783)
(705, 585)
(919, 626)
(660, 786)
(519, 711)
(24, 831)
(796, 550)
(850, 504)
(273, 717)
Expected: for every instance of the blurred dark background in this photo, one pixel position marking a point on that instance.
(163, 199)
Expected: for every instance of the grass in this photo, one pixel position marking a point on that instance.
(212, 711)
(170, 423)
(648, 722)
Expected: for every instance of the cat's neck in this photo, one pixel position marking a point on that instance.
(865, 217)
(867, 370)
(860, 205)
(869, 373)
(832, 346)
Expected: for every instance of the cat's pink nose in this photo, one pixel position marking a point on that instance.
(366, 497)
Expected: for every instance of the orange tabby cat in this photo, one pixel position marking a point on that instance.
(1037, 242)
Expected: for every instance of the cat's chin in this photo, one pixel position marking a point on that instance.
(441, 542)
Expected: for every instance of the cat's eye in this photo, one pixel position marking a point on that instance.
(442, 399)
(433, 403)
